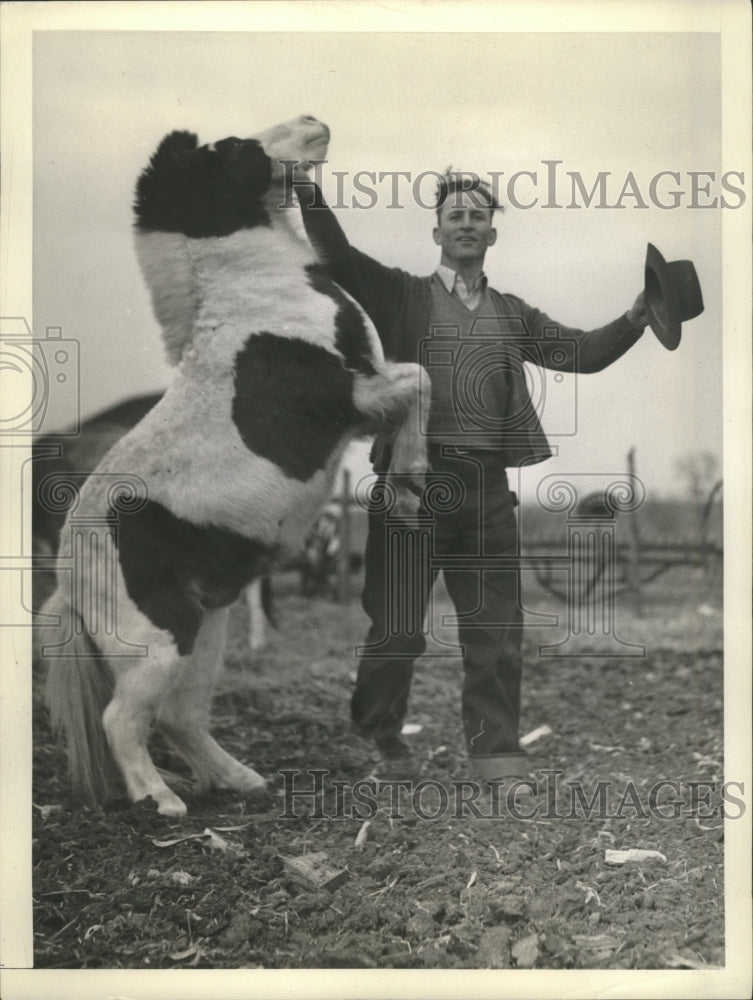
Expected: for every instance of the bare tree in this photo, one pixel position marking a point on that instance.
(698, 470)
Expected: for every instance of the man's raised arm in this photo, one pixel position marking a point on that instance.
(324, 231)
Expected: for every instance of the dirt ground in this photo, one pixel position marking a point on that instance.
(407, 880)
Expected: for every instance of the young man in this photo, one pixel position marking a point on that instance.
(472, 341)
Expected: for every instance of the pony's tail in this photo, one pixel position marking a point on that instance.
(79, 686)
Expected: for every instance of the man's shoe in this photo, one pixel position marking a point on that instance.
(396, 760)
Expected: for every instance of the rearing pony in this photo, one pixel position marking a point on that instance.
(277, 370)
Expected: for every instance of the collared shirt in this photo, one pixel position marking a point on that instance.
(455, 285)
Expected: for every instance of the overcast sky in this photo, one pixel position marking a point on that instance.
(405, 101)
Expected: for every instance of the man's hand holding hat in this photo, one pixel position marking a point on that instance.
(636, 314)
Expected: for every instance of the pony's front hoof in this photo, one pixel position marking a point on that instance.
(260, 799)
(170, 805)
(244, 781)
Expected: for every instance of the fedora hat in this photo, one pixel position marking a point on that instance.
(672, 294)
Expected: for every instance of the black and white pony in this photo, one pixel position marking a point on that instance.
(277, 370)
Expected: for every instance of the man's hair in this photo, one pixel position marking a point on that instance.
(452, 183)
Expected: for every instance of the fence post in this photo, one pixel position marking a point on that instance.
(634, 550)
(343, 556)
(705, 518)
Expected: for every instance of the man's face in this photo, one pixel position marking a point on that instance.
(465, 230)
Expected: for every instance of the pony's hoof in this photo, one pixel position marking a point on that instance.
(249, 785)
(260, 798)
(171, 806)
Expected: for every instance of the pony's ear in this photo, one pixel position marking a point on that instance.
(178, 140)
(175, 147)
(159, 188)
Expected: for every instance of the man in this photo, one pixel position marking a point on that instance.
(482, 421)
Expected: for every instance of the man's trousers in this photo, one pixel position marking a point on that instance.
(470, 521)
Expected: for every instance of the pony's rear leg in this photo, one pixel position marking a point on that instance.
(127, 720)
(185, 709)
